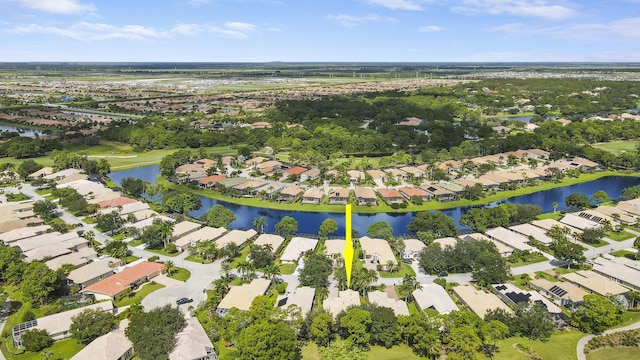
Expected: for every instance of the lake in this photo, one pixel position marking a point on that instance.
(22, 131)
(309, 223)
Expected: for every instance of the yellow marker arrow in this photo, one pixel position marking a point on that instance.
(348, 248)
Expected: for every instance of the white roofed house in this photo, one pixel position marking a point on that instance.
(412, 248)
(241, 297)
(206, 233)
(381, 298)
(434, 296)
(377, 251)
(113, 345)
(296, 248)
(192, 343)
(275, 241)
(302, 297)
(93, 272)
(334, 248)
(238, 237)
(345, 299)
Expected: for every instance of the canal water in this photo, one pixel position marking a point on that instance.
(309, 223)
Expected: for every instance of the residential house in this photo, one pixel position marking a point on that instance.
(206, 233)
(478, 301)
(411, 192)
(302, 297)
(193, 343)
(510, 238)
(339, 196)
(438, 192)
(273, 240)
(515, 296)
(382, 299)
(562, 293)
(390, 196)
(434, 296)
(128, 278)
(365, 196)
(290, 193)
(237, 237)
(313, 196)
(345, 299)
(113, 345)
(93, 272)
(334, 248)
(412, 249)
(241, 297)
(296, 248)
(56, 325)
(377, 251)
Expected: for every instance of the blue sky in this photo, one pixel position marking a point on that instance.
(320, 30)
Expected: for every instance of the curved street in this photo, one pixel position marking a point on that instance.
(585, 339)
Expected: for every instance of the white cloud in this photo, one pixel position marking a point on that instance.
(531, 8)
(57, 6)
(234, 30)
(431, 28)
(411, 5)
(618, 30)
(353, 20)
(240, 26)
(91, 31)
(187, 29)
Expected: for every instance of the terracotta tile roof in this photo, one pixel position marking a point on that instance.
(119, 201)
(119, 282)
(211, 179)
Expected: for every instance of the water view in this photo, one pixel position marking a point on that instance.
(22, 131)
(308, 222)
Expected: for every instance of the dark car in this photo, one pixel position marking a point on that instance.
(443, 274)
(407, 261)
(183, 301)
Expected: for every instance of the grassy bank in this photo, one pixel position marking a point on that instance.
(383, 208)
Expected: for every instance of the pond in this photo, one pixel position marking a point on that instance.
(22, 131)
(309, 223)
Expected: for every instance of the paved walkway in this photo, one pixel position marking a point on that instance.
(585, 339)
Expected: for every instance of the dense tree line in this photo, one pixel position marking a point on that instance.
(480, 219)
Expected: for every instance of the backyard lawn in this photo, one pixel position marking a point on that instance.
(561, 346)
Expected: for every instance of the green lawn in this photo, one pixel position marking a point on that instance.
(89, 220)
(624, 253)
(404, 270)
(63, 349)
(617, 147)
(16, 197)
(615, 354)
(533, 260)
(243, 255)
(561, 346)
(197, 259)
(629, 317)
(287, 269)
(131, 258)
(554, 216)
(398, 352)
(181, 274)
(619, 237)
(162, 252)
(145, 290)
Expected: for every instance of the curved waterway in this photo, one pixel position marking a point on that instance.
(309, 222)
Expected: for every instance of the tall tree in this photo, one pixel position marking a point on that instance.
(328, 227)
(218, 216)
(288, 226)
(596, 314)
(153, 333)
(259, 223)
(90, 324)
(268, 341)
(437, 223)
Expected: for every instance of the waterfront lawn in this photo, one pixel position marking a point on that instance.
(181, 274)
(552, 215)
(619, 236)
(615, 354)
(561, 346)
(405, 269)
(137, 297)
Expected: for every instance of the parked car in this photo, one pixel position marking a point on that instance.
(183, 301)
(443, 274)
(407, 261)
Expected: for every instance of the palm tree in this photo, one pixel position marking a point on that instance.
(243, 266)
(170, 267)
(554, 205)
(271, 271)
(220, 287)
(391, 266)
(120, 252)
(211, 251)
(259, 223)
(225, 269)
(46, 355)
(165, 230)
